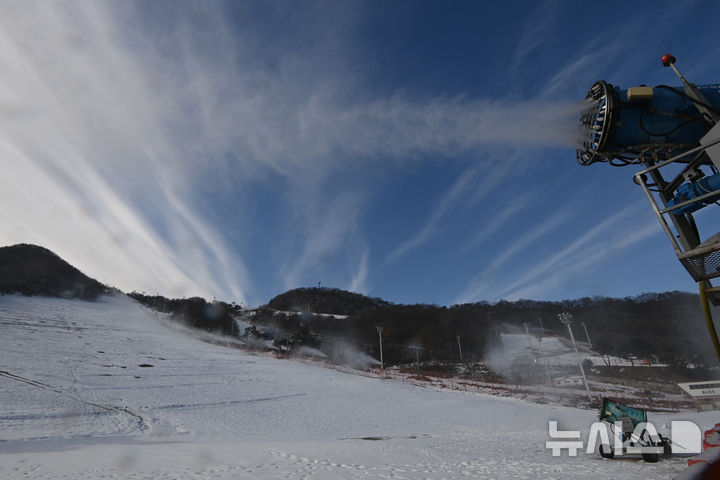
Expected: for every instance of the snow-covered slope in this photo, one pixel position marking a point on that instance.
(111, 390)
(554, 351)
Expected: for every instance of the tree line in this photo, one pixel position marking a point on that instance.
(667, 327)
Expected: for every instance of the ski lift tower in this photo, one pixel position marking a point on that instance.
(674, 132)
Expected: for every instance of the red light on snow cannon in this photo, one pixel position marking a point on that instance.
(667, 60)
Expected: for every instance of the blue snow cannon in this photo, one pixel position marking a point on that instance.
(618, 124)
(648, 125)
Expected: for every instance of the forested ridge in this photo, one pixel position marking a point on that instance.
(668, 326)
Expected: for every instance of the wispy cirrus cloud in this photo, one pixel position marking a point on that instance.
(359, 282)
(500, 218)
(580, 264)
(535, 32)
(470, 188)
(89, 170)
(323, 231)
(608, 238)
(483, 285)
(458, 192)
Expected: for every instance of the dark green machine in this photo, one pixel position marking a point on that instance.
(649, 444)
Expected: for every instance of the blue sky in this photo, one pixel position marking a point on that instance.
(422, 152)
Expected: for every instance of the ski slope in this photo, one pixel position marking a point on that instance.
(112, 390)
(549, 350)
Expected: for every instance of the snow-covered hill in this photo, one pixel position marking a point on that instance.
(111, 390)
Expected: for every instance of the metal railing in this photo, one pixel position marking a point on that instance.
(702, 261)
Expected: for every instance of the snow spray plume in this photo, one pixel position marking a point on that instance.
(343, 352)
(694, 342)
(202, 335)
(511, 355)
(308, 352)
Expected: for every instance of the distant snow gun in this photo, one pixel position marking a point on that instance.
(674, 132)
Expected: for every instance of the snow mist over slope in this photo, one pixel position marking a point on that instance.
(112, 390)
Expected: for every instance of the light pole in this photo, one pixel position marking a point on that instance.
(535, 351)
(459, 347)
(566, 318)
(380, 329)
(417, 349)
(586, 334)
(497, 335)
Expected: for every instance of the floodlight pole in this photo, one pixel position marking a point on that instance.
(417, 349)
(459, 347)
(586, 334)
(566, 318)
(535, 353)
(497, 335)
(380, 329)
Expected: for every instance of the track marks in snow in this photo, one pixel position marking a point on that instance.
(141, 422)
(282, 463)
(481, 467)
(229, 402)
(297, 466)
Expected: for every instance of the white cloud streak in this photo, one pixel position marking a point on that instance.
(577, 258)
(470, 188)
(359, 280)
(459, 191)
(500, 218)
(581, 263)
(535, 31)
(325, 230)
(89, 170)
(482, 284)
